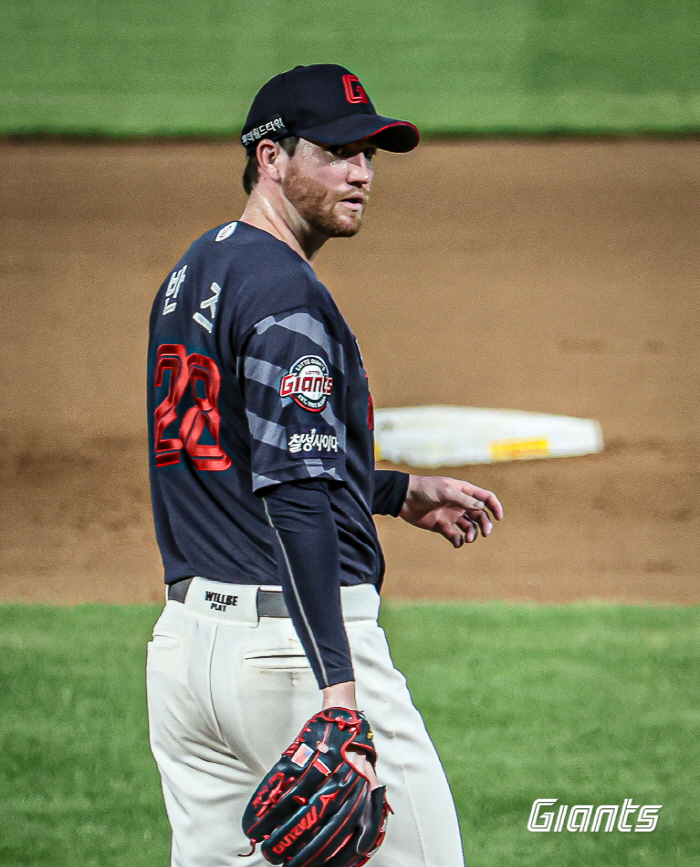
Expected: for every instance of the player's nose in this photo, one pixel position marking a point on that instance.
(361, 169)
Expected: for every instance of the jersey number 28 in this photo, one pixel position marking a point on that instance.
(202, 374)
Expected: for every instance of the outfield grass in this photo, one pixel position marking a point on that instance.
(588, 704)
(77, 782)
(172, 67)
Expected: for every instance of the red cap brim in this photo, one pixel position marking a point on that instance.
(398, 136)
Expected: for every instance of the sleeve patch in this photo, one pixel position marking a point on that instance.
(308, 383)
(311, 441)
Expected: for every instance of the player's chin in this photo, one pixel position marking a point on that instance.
(347, 225)
(337, 223)
(348, 231)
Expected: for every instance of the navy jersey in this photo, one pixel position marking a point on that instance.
(254, 379)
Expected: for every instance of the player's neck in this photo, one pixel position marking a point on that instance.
(281, 220)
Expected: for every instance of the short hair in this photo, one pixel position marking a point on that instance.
(250, 173)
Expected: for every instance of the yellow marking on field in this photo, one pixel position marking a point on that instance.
(516, 450)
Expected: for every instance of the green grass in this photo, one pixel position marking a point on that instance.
(170, 67)
(587, 704)
(77, 782)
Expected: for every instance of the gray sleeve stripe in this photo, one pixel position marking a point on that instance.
(295, 590)
(263, 372)
(315, 471)
(263, 482)
(264, 324)
(267, 431)
(312, 471)
(303, 323)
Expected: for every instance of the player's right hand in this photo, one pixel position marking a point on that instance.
(455, 509)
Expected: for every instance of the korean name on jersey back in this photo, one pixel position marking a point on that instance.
(308, 383)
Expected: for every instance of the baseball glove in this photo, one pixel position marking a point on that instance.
(314, 807)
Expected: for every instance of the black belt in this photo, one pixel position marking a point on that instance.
(270, 602)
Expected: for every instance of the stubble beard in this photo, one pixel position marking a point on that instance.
(315, 204)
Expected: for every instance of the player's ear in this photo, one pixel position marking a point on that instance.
(270, 155)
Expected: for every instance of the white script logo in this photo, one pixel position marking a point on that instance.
(579, 816)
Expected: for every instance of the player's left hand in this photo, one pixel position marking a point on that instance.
(455, 509)
(316, 805)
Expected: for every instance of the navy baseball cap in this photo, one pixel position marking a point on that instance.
(323, 103)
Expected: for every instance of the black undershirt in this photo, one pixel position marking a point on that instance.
(390, 490)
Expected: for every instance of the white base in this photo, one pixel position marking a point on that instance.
(450, 436)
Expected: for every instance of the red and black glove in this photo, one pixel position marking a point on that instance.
(314, 808)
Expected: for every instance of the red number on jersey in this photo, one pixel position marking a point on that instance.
(171, 357)
(203, 375)
(204, 412)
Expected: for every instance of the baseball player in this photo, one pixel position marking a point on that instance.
(264, 486)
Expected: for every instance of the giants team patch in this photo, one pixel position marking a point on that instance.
(311, 441)
(308, 383)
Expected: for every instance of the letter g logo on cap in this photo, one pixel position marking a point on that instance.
(354, 91)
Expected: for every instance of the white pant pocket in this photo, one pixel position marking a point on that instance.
(277, 660)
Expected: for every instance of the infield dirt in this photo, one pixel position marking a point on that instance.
(557, 277)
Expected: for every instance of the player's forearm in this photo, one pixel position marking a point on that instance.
(301, 516)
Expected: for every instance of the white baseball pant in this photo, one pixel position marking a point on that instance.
(228, 691)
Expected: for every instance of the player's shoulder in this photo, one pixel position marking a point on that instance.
(266, 275)
(255, 258)
(255, 276)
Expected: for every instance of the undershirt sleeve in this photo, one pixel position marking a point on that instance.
(300, 514)
(390, 489)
